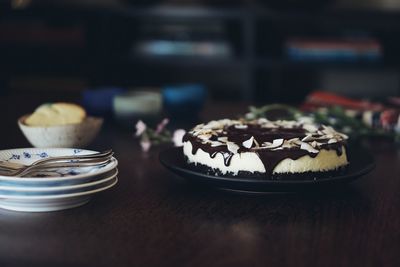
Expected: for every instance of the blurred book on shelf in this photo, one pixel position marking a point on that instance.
(333, 50)
(174, 39)
(182, 48)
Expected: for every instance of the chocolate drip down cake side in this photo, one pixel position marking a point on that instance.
(266, 149)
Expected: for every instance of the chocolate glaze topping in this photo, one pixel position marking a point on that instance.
(263, 137)
(262, 134)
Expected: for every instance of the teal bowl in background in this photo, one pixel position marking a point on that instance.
(184, 101)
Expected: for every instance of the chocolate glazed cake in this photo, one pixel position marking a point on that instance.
(265, 148)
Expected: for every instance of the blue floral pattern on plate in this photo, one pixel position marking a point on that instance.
(29, 155)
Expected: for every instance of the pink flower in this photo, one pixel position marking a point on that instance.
(140, 128)
(161, 125)
(178, 136)
(145, 144)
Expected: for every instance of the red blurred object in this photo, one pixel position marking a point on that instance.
(320, 98)
(373, 114)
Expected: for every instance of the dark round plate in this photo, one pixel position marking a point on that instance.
(361, 162)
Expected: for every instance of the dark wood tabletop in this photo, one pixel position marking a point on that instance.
(152, 218)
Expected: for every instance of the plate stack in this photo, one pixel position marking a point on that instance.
(52, 188)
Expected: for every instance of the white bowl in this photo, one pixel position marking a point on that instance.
(137, 103)
(70, 135)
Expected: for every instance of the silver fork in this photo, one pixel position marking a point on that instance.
(101, 158)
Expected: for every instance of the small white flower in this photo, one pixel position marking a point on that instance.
(140, 128)
(178, 136)
(145, 144)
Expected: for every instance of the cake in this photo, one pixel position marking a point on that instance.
(264, 147)
(51, 114)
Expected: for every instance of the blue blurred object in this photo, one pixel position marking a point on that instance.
(99, 101)
(184, 100)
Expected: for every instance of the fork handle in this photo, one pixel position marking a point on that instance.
(106, 153)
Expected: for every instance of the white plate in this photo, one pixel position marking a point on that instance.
(52, 203)
(27, 156)
(54, 182)
(95, 180)
(57, 194)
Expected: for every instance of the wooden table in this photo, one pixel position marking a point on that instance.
(152, 219)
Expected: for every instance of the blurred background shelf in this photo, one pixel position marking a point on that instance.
(240, 48)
